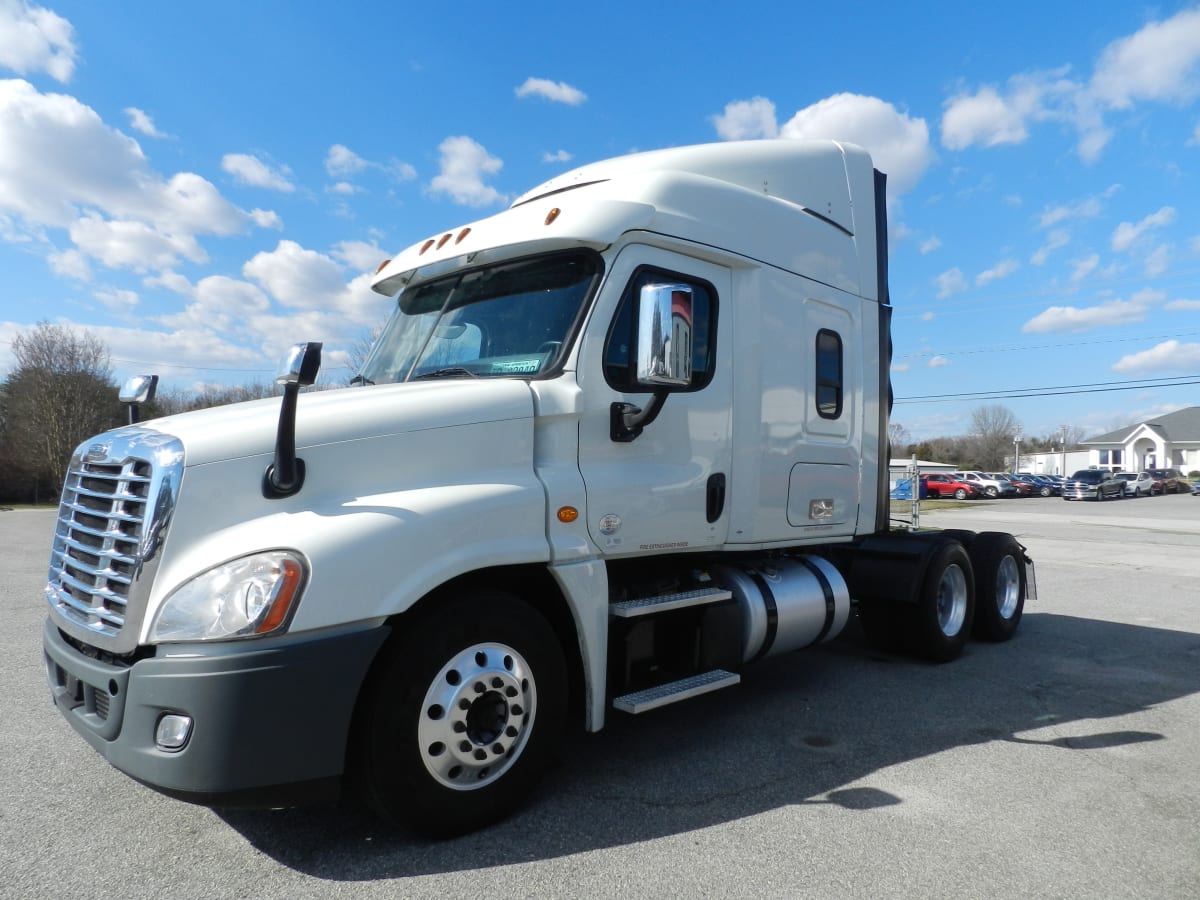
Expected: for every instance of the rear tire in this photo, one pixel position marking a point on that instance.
(465, 709)
(999, 585)
(941, 620)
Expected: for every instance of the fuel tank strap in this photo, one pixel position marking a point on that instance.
(827, 590)
(772, 610)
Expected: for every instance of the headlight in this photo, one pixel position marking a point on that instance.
(245, 597)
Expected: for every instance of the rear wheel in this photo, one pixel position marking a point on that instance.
(941, 620)
(462, 714)
(999, 566)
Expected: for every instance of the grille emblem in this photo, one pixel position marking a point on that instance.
(97, 453)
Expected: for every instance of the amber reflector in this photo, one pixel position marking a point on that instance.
(567, 514)
(552, 215)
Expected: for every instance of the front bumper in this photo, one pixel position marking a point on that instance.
(270, 722)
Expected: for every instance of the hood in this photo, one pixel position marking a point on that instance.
(325, 417)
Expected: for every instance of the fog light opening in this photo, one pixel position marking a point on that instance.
(172, 732)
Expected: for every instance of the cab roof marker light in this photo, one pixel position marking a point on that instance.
(442, 243)
(462, 234)
(552, 215)
(381, 265)
(425, 246)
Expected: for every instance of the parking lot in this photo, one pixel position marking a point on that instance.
(1061, 764)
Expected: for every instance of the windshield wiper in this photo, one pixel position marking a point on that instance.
(448, 372)
(361, 379)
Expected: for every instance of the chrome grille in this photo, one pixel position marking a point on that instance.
(116, 502)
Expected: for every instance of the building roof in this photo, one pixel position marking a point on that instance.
(1181, 426)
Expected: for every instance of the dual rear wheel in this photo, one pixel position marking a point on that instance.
(974, 585)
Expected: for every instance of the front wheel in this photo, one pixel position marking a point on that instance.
(463, 713)
(999, 566)
(941, 621)
(960, 494)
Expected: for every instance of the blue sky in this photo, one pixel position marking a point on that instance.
(201, 185)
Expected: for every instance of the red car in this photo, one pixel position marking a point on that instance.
(939, 485)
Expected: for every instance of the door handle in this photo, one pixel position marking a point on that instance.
(716, 496)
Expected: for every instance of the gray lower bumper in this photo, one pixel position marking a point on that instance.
(267, 718)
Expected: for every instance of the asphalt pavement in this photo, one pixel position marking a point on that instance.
(1060, 764)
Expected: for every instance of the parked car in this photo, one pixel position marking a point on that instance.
(1196, 488)
(1168, 481)
(1097, 484)
(938, 484)
(1024, 489)
(1043, 487)
(1137, 483)
(987, 485)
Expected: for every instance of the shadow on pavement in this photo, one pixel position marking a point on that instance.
(798, 730)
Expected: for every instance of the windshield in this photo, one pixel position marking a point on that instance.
(510, 319)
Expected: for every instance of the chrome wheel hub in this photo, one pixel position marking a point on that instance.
(477, 716)
(952, 601)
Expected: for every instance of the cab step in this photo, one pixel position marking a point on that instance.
(674, 691)
(627, 609)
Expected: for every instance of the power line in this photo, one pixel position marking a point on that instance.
(1055, 391)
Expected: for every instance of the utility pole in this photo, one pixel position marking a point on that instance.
(1017, 452)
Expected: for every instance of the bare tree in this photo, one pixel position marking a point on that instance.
(59, 394)
(992, 430)
(898, 436)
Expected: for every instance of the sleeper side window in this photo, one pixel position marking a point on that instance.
(829, 384)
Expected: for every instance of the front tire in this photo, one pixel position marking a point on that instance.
(960, 494)
(463, 713)
(941, 621)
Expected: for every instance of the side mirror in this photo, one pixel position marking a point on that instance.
(137, 390)
(664, 336)
(285, 476)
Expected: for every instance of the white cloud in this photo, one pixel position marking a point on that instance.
(266, 218)
(401, 171)
(1183, 306)
(1157, 261)
(747, 120)
(341, 161)
(1082, 268)
(556, 91)
(34, 39)
(359, 255)
(1128, 232)
(120, 301)
(1055, 239)
(900, 367)
(344, 188)
(898, 143)
(252, 171)
(62, 167)
(929, 245)
(937, 362)
(72, 264)
(1167, 357)
(306, 280)
(1088, 208)
(1156, 63)
(129, 244)
(950, 282)
(1070, 318)
(1002, 269)
(464, 164)
(927, 317)
(560, 156)
(983, 118)
(142, 123)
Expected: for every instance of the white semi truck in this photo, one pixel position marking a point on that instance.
(615, 443)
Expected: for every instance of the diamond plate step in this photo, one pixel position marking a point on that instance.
(684, 688)
(647, 605)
